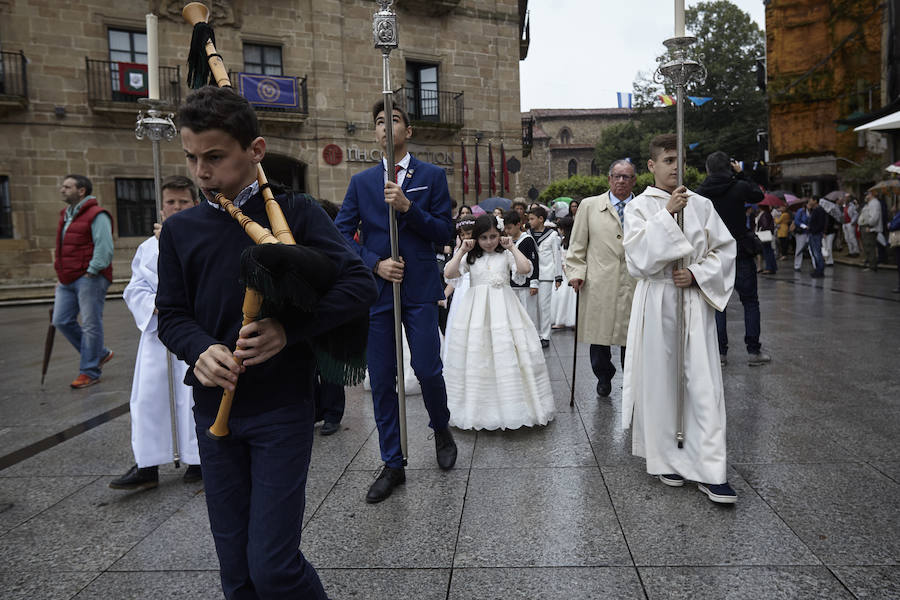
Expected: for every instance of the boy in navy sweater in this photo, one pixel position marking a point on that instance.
(255, 479)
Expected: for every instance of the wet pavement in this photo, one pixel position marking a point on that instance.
(563, 511)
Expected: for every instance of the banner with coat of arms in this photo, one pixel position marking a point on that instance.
(133, 79)
(269, 90)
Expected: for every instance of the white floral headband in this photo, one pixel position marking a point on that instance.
(499, 223)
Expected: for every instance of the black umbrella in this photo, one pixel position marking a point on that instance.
(48, 347)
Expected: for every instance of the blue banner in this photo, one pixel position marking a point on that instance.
(269, 90)
(624, 99)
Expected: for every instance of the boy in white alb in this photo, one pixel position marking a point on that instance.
(549, 267)
(653, 243)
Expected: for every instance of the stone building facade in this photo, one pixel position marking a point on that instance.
(560, 143)
(63, 110)
(825, 64)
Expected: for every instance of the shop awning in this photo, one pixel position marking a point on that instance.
(891, 121)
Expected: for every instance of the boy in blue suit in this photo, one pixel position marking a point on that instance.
(422, 204)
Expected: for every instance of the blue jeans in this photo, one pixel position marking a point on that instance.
(769, 256)
(84, 296)
(255, 482)
(745, 284)
(815, 249)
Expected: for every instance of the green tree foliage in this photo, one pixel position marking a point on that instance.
(728, 43)
(578, 187)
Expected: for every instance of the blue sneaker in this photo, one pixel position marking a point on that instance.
(672, 479)
(720, 493)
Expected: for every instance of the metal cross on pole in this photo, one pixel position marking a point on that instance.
(384, 28)
(680, 70)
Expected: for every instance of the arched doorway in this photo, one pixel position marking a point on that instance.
(285, 171)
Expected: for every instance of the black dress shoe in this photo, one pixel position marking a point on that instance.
(545, 343)
(445, 448)
(192, 474)
(329, 428)
(137, 479)
(604, 388)
(387, 480)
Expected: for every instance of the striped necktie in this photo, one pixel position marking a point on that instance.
(620, 208)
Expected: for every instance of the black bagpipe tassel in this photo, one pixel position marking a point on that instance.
(199, 73)
(292, 279)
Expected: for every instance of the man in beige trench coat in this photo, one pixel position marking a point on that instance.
(595, 266)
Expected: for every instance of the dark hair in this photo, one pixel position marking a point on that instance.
(213, 107)
(564, 224)
(462, 206)
(379, 107)
(483, 224)
(539, 211)
(519, 203)
(81, 183)
(465, 224)
(180, 182)
(718, 162)
(662, 143)
(512, 217)
(330, 208)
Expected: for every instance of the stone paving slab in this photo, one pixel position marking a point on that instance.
(742, 583)
(172, 585)
(585, 583)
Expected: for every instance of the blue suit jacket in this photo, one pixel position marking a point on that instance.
(427, 222)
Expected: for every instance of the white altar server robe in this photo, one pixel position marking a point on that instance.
(653, 242)
(151, 424)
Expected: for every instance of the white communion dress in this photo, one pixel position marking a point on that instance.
(562, 302)
(494, 368)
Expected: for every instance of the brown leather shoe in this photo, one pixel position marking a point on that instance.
(83, 381)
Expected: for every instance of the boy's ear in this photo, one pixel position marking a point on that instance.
(257, 149)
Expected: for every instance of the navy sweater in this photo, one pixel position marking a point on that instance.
(199, 299)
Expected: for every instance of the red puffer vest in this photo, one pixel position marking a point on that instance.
(73, 254)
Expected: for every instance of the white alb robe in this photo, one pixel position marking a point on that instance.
(151, 421)
(653, 242)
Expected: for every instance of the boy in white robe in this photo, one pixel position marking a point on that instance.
(151, 421)
(653, 242)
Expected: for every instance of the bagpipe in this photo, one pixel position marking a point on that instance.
(282, 278)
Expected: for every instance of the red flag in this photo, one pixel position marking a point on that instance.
(477, 175)
(492, 182)
(465, 167)
(504, 188)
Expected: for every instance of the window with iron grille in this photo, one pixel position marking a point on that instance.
(135, 207)
(422, 91)
(264, 60)
(125, 46)
(6, 228)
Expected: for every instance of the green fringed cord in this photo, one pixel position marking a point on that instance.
(351, 372)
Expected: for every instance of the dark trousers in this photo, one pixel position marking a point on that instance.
(769, 256)
(897, 260)
(815, 249)
(601, 362)
(745, 284)
(421, 323)
(255, 482)
(330, 400)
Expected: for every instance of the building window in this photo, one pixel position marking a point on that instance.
(127, 47)
(135, 207)
(264, 60)
(573, 167)
(422, 91)
(595, 168)
(565, 136)
(6, 228)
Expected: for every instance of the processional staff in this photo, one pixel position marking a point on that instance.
(157, 125)
(384, 28)
(679, 70)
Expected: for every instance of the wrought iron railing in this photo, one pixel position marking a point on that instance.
(104, 84)
(431, 106)
(301, 108)
(13, 74)
(527, 135)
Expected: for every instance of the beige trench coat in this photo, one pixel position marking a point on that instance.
(597, 256)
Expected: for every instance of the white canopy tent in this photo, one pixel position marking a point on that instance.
(891, 121)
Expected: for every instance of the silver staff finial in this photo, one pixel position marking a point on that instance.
(384, 27)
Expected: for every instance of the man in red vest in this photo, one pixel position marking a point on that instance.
(84, 251)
